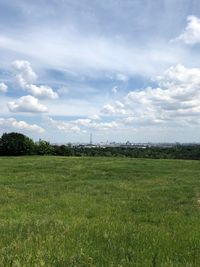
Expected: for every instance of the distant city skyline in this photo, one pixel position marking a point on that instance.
(98, 70)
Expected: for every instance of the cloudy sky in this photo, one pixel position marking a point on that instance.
(120, 69)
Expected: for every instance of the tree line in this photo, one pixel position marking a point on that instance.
(17, 144)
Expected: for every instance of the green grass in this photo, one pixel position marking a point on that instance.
(85, 212)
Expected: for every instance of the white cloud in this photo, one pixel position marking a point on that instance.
(26, 77)
(83, 122)
(41, 91)
(66, 127)
(108, 109)
(105, 126)
(82, 125)
(26, 104)
(191, 34)
(115, 109)
(13, 124)
(3, 88)
(176, 100)
(95, 117)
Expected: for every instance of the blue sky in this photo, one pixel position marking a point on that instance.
(120, 69)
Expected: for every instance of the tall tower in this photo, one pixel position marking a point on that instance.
(90, 138)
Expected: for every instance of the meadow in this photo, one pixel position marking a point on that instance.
(92, 212)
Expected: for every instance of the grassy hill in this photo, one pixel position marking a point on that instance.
(83, 212)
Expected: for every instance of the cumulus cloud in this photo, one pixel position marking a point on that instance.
(82, 125)
(178, 94)
(176, 100)
(116, 109)
(25, 78)
(41, 91)
(26, 104)
(12, 123)
(3, 88)
(25, 73)
(66, 127)
(191, 34)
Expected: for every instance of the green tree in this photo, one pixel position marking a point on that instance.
(44, 148)
(16, 144)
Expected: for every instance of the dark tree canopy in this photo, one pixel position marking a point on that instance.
(16, 144)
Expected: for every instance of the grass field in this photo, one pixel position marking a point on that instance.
(57, 211)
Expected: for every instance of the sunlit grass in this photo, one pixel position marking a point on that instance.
(57, 211)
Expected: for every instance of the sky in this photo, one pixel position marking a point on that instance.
(123, 70)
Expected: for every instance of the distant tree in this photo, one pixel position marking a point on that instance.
(62, 150)
(44, 148)
(15, 144)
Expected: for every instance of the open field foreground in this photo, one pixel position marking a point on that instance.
(59, 211)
